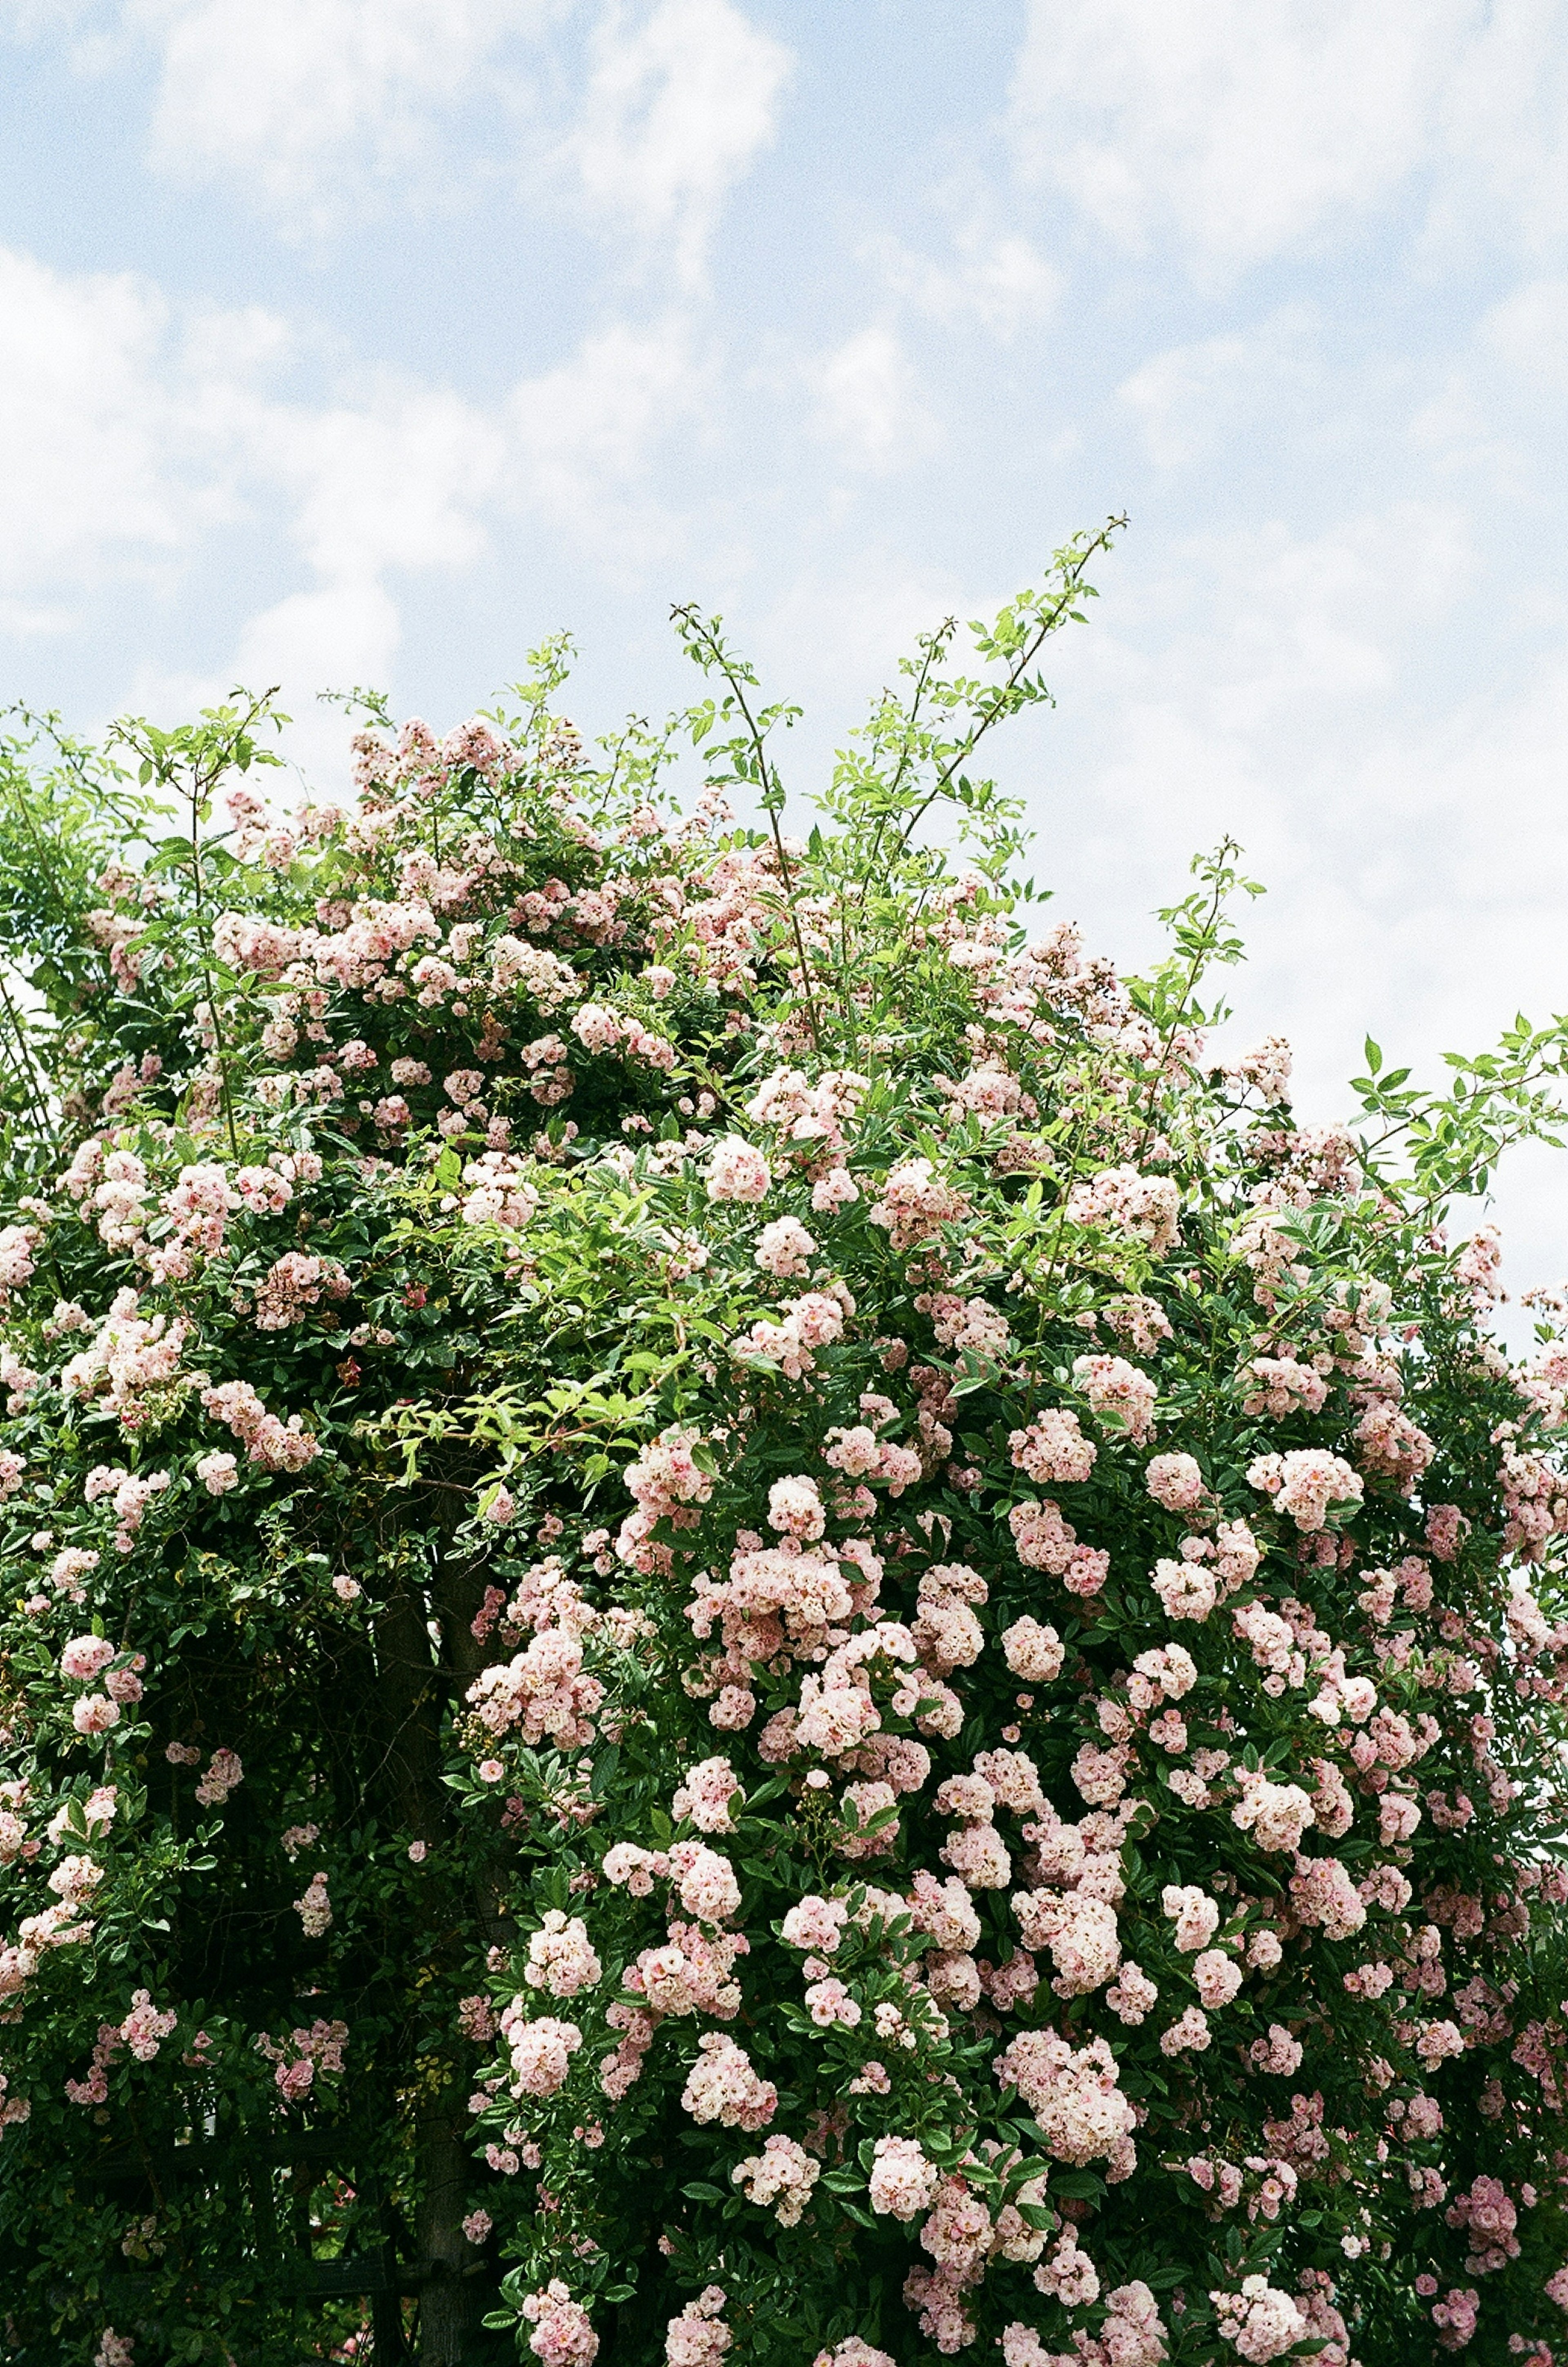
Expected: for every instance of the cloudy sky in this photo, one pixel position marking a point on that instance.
(368, 340)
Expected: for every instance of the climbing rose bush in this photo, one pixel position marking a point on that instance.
(746, 1619)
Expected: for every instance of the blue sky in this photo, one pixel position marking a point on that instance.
(368, 340)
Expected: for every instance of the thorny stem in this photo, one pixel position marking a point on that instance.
(196, 793)
(1045, 624)
(772, 800)
(1195, 971)
(935, 641)
(23, 1058)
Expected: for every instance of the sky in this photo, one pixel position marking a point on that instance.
(368, 341)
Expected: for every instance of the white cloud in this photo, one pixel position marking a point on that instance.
(585, 438)
(1416, 855)
(87, 426)
(865, 401)
(307, 109)
(147, 432)
(300, 101)
(347, 633)
(1194, 398)
(142, 429)
(1242, 129)
(399, 480)
(1527, 333)
(995, 278)
(313, 111)
(1493, 416)
(676, 108)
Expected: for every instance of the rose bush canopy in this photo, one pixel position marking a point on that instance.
(743, 1620)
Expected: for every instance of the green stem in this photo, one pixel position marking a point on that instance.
(772, 801)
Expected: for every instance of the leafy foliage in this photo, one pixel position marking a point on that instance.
(744, 1618)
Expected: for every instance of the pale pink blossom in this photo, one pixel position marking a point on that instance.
(561, 1957)
(541, 2051)
(1306, 1483)
(1176, 1482)
(315, 1909)
(1259, 2321)
(738, 1170)
(562, 2333)
(1074, 2096)
(1188, 2034)
(1218, 1977)
(705, 1796)
(902, 2181)
(916, 1202)
(1196, 1916)
(722, 2086)
(784, 1248)
(699, 2337)
(781, 2175)
(1120, 1395)
(1032, 1651)
(1053, 1451)
(84, 1656)
(1275, 1814)
(95, 1713)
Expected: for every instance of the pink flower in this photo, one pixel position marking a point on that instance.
(476, 2227)
(795, 1508)
(1306, 1483)
(902, 2181)
(1196, 1915)
(1283, 1387)
(738, 1170)
(315, 1909)
(837, 1189)
(1133, 1997)
(1053, 1451)
(784, 1248)
(1176, 1482)
(1275, 1814)
(563, 2335)
(1455, 2316)
(723, 2086)
(1189, 2034)
(705, 1796)
(223, 1774)
(1141, 1207)
(699, 2337)
(84, 1656)
(541, 2051)
(1278, 2052)
(1073, 2095)
(561, 1957)
(1032, 1651)
(1261, 2323)
(95, 1713)
(830, 2002)
(1218, 1976)
(1119, 1394)
(707, 1882)
(783, 2174)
